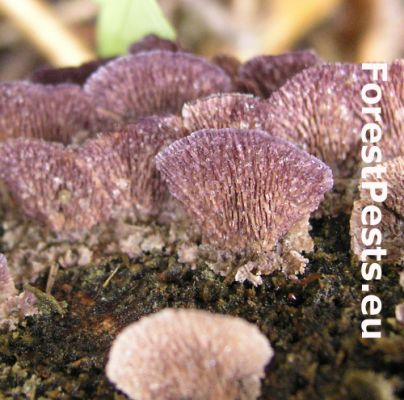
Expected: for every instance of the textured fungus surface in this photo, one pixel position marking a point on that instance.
(322, 113)
(224, 357)
(392, 210)
(74, 188)
(56, 113)
(226, 110)
(263, 75)
(321, 109)
(155, 82)
(245, 188)
(52, 185)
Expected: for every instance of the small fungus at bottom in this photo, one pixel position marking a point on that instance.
(189, 354)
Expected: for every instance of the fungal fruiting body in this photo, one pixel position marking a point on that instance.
(51, 112)
(388, 216)
(153, 82)
(321, 109)
(13, 305)
(189, 354)
(75, 188)
(264, 74)
(226, 110)
(251, 193)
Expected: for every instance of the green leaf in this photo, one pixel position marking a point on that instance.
(122, 22)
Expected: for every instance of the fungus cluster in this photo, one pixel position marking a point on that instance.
(247, 150)
(184, 354)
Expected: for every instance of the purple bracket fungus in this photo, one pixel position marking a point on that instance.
(154, 82)
(13, 306)
(56, 113)
(391, 225)
(71, 189)
(321, 113)
(226, 110)
(189, 354)
(52, 185)
(251, 194)
(263, 75)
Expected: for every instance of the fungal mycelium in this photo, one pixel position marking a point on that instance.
(251, 193)
(184, 354)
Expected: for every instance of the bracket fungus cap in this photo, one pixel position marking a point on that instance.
(245, 188)
(264, 74)
(226, 110)
(184, 354)
(50, 112)
(154, 82)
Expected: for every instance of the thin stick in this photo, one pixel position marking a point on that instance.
(41, 26)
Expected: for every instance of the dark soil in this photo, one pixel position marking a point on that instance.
(313, 325)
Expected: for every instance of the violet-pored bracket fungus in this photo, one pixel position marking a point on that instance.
(226, 110)
(391, 223)
(263, 75)
(71, 189)
(154, 82)
(51, 112)
(189, 354)
(52, 185)
(321, 112)
(250, 192)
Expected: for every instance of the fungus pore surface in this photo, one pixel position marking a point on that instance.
(184, 354)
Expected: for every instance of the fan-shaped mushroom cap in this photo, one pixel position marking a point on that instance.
(184, 354)
(245, 188)
(320, 110)
(392, 210)
(226, 110)
(263, 75)
(52, 185)
(32, 110)
(155, 82)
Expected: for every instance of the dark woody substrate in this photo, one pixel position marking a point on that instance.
(313, 325)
